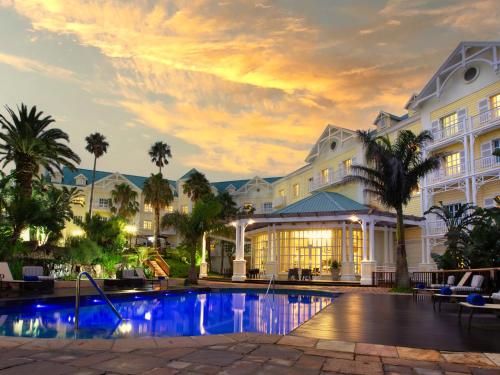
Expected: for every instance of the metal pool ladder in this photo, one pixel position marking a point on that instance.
(94, 284)
(272, 281)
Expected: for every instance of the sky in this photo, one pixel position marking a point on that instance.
(236, 88)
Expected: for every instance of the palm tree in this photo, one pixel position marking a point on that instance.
(196, 186)
(96, 145)
(123, 199)
(159, 153)
(158, 194)
(28, 142)
(457, 230)
(205, 217)
(392, 174)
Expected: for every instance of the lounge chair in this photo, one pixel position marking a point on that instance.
(140, 273)
(450, 298)
(475, 285)
(33, 278)
(450, 281)
(487, 307)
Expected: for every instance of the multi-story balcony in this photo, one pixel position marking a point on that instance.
(332, 179)
(485, 120)
(486, 163)
(447, 173)
(449, 133)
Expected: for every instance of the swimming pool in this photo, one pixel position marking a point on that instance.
(187, 313)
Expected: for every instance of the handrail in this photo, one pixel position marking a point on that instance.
(269, 286)
(77, 302)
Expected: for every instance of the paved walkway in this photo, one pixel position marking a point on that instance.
(251, 354)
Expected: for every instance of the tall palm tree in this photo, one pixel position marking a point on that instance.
(124, 201)
(392, 174)
(196, 186)
(98, 146)
(457, 224)
(28, 142)
(159, 153)
(158, 194)
(205, 217)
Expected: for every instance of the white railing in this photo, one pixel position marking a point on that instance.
(487, 163)
(485, 118)
(449, 131)
(444, 174)
(436, 227)
(333, 178)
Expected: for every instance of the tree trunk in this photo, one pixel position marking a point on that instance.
(402, 275)
(207, 253)
(157, 227)
(25, 181)
(92, 188)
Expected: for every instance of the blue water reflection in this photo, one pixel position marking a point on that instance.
(176, 314)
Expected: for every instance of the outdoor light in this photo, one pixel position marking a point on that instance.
(130, 229)
(251, 221)
(151, 238)
(233, 223)
(77, 232)
(354, 218)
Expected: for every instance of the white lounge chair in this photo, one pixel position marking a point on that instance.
(450, 281)
(475, 285)
(487, 307)
(40, 283)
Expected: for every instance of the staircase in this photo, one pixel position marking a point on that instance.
(158, 266)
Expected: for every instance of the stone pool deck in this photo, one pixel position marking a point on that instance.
(241, 353)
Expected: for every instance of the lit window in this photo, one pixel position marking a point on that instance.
(184, 209)
(324, 175)
(148, 207)
(147, 224)
(449, 124)
(81, 181)
(453, 164)
(495, 104)
(346, 165)
(103, 203)
(80, 200)
(296, 190)
(169, 209)
(281, 193)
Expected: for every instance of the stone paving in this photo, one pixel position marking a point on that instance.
(243, 353)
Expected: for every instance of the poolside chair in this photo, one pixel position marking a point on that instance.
(488, 307)
(475, 285)
(450, 281)
(30, 282)
(140, 273)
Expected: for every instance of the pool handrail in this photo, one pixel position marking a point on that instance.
(94, 284)
(273, 282)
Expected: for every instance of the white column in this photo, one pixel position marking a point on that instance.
(365, 234)
(372, 240)
(271, 260)
(347, 258)
(386, 246)
(426, 264)
(473, 171)
(391, 246)
(203, 265)
(239, 263)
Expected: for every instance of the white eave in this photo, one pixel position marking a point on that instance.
(330, 132)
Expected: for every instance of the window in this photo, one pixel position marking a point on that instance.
(184, 209)
(296, 190)
(471, 74)
(80, 200)
(282, 193)
(346, 166)
(453, 207)
(77, 218)
(449, 124)
(495, 101)
(80, 180)
(453, 164)
(147, 224)
(148, 207)
(324, 175)
(247, 206)
(267, 207)
(103, 203)
(169, 209)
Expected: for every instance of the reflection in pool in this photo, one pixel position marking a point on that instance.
(168, 314)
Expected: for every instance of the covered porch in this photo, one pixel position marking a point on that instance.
(359, 239)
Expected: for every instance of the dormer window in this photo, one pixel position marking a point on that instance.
(80, 180)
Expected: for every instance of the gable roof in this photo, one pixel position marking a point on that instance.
(323, 201)
(238, 184)
(466, 53)
(186, 175)
(382, 114)
(330, 132)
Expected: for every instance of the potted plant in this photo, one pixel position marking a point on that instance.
(335, 267)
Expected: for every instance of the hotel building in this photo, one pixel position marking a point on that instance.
(308, 218)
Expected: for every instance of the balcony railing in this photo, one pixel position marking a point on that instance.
(436, 227)
(333, 178)
(485, 118)
(487, 163)
(449, 131)
(448, 173)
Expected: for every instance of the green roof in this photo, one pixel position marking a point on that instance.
(188, 174)
(323, 201)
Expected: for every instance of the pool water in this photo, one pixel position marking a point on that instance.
(167, 314)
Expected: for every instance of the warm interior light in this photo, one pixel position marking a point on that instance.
(251, 221)
(233, 223)
(354, 218)
(77, 232)
(130, 229)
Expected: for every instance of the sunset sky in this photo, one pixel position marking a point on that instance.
(237, 88)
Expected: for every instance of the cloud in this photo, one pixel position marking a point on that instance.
(30, 65)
